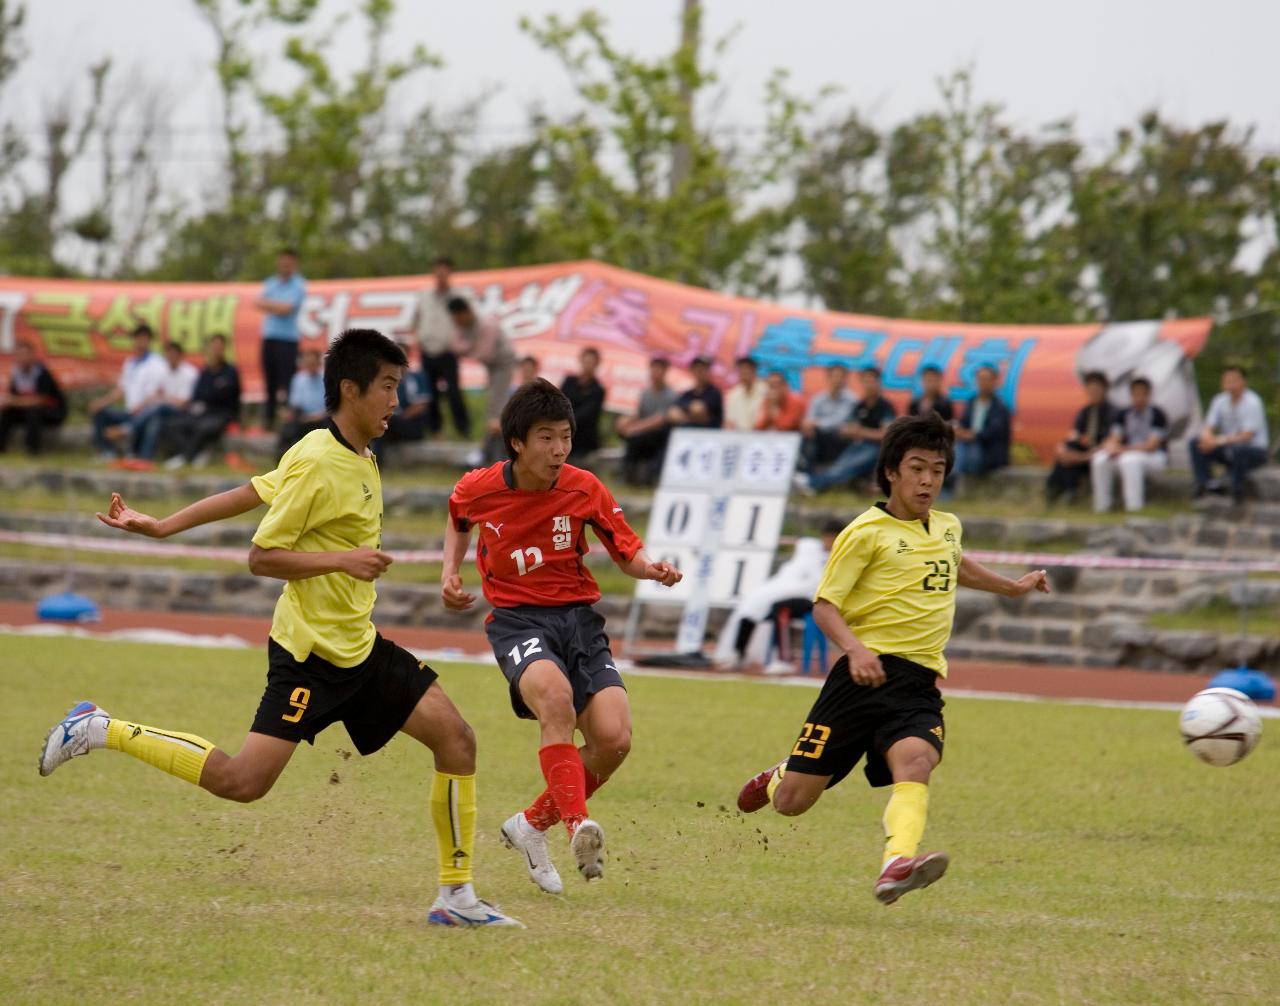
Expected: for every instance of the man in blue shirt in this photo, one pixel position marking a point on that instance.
(281, 302)
(1234, 434)
(305, 411)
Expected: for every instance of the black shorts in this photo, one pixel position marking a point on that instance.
(851, 720)
(373, 699)
(571, 636)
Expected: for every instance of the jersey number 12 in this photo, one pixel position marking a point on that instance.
(533, 552)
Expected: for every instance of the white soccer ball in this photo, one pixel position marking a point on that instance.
(1220, 725)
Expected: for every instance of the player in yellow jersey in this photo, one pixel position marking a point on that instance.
(887, 600)
(322, 535)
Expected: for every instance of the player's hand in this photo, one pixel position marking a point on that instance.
(366, 563)
(664, 572)
(121, 516)
(454, 596)
(1035, 580)
(865, 668)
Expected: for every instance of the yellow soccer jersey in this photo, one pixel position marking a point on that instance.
(894, 582)
(324, 497)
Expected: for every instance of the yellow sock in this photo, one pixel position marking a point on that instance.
(181, 755)
(453, 815)
(904, 819)
(772, 786)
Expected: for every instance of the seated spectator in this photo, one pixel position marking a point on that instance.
(782, 408)
(191, 434)
(828, 411)
(862, 436)
(174, 388)
(305, 410)
(702, 405)
(113, 428)
(1234, 435)
(1092, 426)
(742, 403)
(412, 418)
(35, 401)
(483, 340)
(526, 370)
(586, 395)
(1136, 446)
(931, 397)
(646, 433)
(985, 430)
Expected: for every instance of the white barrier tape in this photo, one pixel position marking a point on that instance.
(139, 546)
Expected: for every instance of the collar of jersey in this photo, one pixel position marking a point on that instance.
(884, 505)
(509, 477)
(337, 435)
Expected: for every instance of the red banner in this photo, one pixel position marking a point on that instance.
(553, 311)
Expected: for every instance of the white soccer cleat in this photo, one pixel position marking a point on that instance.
(81, 730)
(587, 846)
(479, 914)
(520, 835)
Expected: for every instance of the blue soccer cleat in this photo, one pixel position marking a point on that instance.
(480, 914)
(81, 730)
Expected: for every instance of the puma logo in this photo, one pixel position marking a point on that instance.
(495, 528)
(617, 509)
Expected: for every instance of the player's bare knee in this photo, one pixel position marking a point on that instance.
(791, 804)
(916, 768)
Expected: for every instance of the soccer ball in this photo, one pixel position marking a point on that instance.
(1220, 725)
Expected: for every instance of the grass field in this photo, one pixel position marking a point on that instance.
(1094, 861)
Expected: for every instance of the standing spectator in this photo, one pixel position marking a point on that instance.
(1092, 426)
(281, 302)
(646, 433)
(174, 390)
(1136, 446)
(34, 402)
(191, 435)
(305, 411)
(483, 340)
(828, 411)
(586, 395)
(526, 370)
(410, 421)
(985, 430)
(782, 408)
(1234, 434)
(139, 379)
(437, 333)
(701, 405)
(862, 435)
(742, 403)
(931, 397)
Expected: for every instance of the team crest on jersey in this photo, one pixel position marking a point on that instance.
(903, 546)
(949, 536)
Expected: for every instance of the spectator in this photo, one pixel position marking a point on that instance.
(982, 438)
(1234, 435)
(306, 411)
(191, 434)
(281, 302)
(782, 408)
(1136, 446)
(743, 402)
(483, 340)
(437, 335)
(1092, 426)
(526, 370)
(586, 395)
(646, 433)
(34, 402)
(701, 405)
(411, 420)
(174, 387)
(139, 378)
(862, 435)
(828, 411)
(931, 398)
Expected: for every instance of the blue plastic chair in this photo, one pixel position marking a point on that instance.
(813, 635)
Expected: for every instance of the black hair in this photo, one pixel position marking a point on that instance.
(174, 344)
(1099, 376)
(995, 371)
(457, 305)
(528, 359)
(539, 401)
(592, 350)
(143, 329)
(746, 359)
(930, 368)
(838, 366)
(288, 250)
(443, 260)
(1237, 368)
(700, 361)
(1140, 380)
(660, 360)
(357, 355)
(907, 433)
(832, 525)
(219, 336)
(871, 370)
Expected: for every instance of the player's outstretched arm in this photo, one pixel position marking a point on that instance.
(286, 564)
(220, 506)
(452, 593)
(974, 574)
(642, 567)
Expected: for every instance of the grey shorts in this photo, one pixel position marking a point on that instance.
(571, 636)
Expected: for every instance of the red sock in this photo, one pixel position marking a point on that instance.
(566, 781)
(542, 813)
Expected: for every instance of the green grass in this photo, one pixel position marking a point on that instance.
(1094, 861)
(1219, 615)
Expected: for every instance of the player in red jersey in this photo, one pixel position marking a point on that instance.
(532, 513)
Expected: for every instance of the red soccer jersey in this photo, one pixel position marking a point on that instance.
(532, 542)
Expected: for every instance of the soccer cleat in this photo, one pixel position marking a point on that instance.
(480, 914)
(909, 874)
(755, 794)
(520, 835)
(587, 846)
(77, 734)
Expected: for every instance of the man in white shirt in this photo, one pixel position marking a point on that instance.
(437, 332)
(134, 391)
(745, 399)
(828, 411)
(1134, 447)
(175, 383)
(1234, 434)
